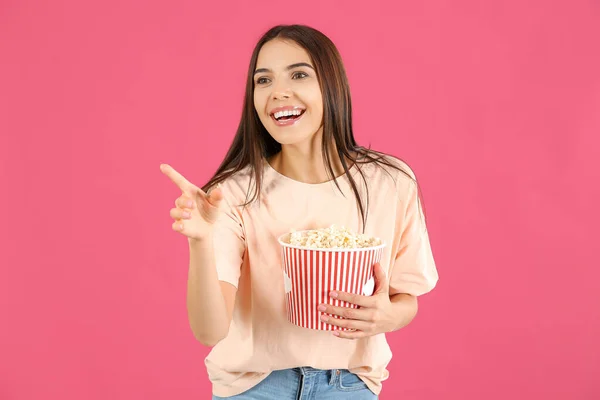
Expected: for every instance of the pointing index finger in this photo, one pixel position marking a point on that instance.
(178, 179)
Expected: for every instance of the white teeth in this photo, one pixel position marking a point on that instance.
(287, 113)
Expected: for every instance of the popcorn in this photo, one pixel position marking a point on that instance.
(332, 238)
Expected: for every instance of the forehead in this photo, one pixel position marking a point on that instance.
(278, 54)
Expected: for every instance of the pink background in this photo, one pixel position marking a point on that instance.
(496, 105)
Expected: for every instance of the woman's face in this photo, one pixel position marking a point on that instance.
(287, 96)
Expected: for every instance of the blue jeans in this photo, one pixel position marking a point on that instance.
(306, 383)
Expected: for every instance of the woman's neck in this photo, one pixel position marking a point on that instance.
(305, 166)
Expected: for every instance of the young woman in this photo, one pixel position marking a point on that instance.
(294, 164)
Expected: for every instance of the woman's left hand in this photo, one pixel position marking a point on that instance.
(376, 313)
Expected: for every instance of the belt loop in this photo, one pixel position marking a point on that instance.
(335, 373)
(301, 387)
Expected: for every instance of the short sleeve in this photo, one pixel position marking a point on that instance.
(413, 270)
(229, 243)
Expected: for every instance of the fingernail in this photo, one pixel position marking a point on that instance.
(186, 214)
(324, 318)
(336, 333)
(190, 204)
(322, 308)
(333, 294)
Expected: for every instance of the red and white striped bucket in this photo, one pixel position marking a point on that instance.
(311, 274)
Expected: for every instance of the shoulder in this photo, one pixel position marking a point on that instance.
(387, 165)
(239, 178)
(236, 185)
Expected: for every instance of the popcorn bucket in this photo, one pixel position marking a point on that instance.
(311, 274)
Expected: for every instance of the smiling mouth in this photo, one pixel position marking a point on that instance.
(287, 116)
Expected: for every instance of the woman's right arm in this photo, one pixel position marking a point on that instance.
(209, 301)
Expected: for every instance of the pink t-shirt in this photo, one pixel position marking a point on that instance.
(248, 256)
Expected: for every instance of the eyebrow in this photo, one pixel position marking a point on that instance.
(300, 64)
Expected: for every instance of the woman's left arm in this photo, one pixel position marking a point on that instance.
(405, 309)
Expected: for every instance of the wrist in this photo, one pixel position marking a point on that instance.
(200, 241)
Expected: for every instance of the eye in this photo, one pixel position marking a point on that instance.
(299, 75)
(262, 80)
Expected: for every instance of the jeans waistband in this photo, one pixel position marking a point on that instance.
(314, 371)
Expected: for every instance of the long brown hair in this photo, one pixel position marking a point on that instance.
(252, 143)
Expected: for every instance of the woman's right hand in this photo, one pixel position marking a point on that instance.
(195, 211)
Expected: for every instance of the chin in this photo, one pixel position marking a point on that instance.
(289, 138)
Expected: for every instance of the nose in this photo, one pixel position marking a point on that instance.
(280, 92)
(281, 95)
